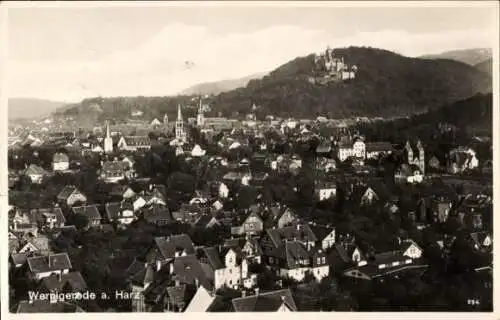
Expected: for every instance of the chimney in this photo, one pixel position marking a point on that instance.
(243, 293)
(49, 260)
(257, 291)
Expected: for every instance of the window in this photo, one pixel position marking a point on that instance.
(271, 260)
(323, 260)
(319, 261)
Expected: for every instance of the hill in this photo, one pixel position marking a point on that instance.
(25, 108)
(485, 66)
(469, 56)
(386, 85)
(216, 87)
(471, 116)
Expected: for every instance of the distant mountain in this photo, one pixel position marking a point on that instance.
(27, 108)
(386, 85)
(485, 66)
(216, 87)
(469, 56)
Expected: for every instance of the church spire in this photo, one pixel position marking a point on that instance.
(179, 113)
(107, 129)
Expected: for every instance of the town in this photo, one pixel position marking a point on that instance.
(238, 215)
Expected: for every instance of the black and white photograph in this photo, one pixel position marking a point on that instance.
(188, 157)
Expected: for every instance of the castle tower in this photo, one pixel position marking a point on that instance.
(108, 141)
(180, 134)
(200, 119)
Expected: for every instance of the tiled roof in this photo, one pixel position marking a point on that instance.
(137, 141)
(156, 212)
(33, 169)
(60, 157)
(114, 210)
(39, 215)
(169, 245)
(89, 211)
(299, 232)
(378, 146)
(49, 263)
(66, 192)
(188, 270)
(265, 302)
(73, 279)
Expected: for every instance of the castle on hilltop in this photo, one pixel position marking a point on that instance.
(331, 68)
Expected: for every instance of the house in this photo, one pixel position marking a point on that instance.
(44, 266)
(253, 224)
(197, 151)
(229, 267)
(35, 173)
(325, 190)
(406, 258)
(482, 241)
(280, 216)
(293, 252)
(375, 150)
(134, 143)
(273, 301)
(122, 191)
(207, 221)
(60, 162)
(325, 164)
(355, 148)
(90, 212)
(70, 195)
(113, 171)
(408, 174)
(157, 214)
(252, 250)
(165, 249)
(48, 218)
(188, 270)
(121, 213)
(203, 301)
(69, 282)
(223, 190)
(461, 159)
(325, 236)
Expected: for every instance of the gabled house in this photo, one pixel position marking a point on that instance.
(113, 171)
(48, 218)
(293, 252)
(406, 258)
(273, 301)
(91, 212)
(44, 266)
(253, 224)
(121, 213)
(482, 241)
(60, 162)
(325, 236)
(165, 249)
(71, 282)
(229, 267)
(157, 214)
(35, 173)
(408, 174)
(280, 216)
(70, 195)
(325, 190)
(375, 150)
(122, 191)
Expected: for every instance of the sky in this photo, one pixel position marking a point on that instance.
(69, 53)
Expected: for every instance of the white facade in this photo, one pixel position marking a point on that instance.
(127, 217)
(328, 241)
(41, 275)
(223, 191)
(298, 274)
(231, 275)
(326, 193)
(60, 166)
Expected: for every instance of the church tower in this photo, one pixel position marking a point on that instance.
(108, 141)
(180, 134)
(421, 156)
(200, 118)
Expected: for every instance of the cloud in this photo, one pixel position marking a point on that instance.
(157, 66)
